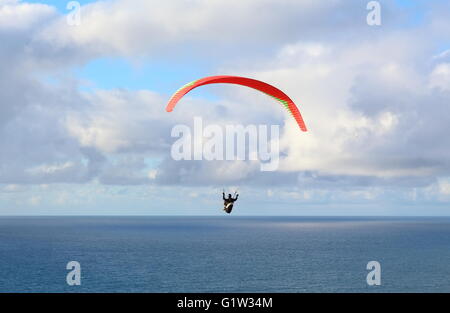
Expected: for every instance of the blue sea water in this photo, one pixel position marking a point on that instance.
(224, 254)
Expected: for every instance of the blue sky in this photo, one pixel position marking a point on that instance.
(83, 128)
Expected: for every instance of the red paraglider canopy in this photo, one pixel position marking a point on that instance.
(248, 82)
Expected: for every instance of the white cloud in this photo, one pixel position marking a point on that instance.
(34, 200)
(152, 174)
(12, 188)
(444, 187)
(155, 27)
(440, 76)
(50, 168)
(361, 109)
(22, 16)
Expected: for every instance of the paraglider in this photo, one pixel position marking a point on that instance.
(229, 202)
(248, 82)
(263, 87)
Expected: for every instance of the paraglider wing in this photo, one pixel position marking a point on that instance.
(248, 82)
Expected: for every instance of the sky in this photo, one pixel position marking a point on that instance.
(83, 130)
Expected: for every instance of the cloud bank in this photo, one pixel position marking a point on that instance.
(375, 99)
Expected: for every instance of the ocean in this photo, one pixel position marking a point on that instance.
(224, 254)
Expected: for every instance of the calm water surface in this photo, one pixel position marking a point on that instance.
(224, 254)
